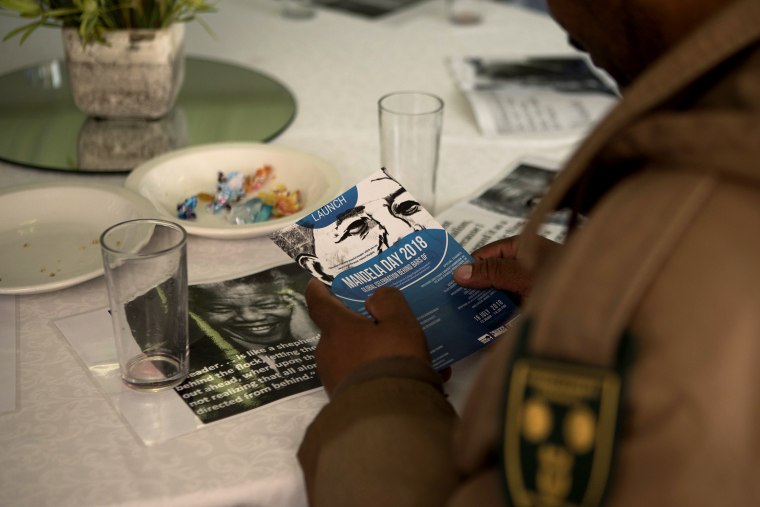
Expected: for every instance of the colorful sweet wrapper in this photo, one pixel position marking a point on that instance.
(242, 198)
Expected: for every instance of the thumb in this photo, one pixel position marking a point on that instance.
(325, 309)
(388, 304)
(505, 274)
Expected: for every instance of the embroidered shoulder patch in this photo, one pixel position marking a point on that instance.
(560, 425)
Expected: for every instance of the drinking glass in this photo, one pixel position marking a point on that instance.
(145, 264)
(410, 139)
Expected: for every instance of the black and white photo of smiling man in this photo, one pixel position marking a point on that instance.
(251, 342)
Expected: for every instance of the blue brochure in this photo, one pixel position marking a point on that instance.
(377, 235)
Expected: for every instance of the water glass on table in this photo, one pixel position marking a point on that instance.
(145, 264)
(410, 139)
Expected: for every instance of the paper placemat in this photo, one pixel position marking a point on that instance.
(226, 379)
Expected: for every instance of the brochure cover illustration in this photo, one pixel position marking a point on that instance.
(375, 235)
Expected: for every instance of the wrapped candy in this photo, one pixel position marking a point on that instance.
(186, 209)
(241, 197)
(255, 182)
(283, 202)
(229, 190)
(250, 212)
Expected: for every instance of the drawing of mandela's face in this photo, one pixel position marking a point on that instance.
(370, 228)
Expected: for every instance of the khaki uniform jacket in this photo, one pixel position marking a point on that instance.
(670, 253)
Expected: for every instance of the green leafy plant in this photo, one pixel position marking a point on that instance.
(93, 18)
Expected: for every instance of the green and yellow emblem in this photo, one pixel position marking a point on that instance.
(560, 424)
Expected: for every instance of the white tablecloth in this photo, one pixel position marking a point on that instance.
(64, 444)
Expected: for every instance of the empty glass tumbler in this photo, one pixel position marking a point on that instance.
(145, 264)
(410, 139)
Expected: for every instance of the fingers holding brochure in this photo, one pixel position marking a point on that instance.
(350, 340)
(496, 266)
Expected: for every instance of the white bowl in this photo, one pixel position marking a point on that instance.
(168, 180)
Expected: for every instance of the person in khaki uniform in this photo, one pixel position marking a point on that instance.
(646, 321)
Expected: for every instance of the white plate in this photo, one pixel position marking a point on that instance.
(169, 179)
(49, 233)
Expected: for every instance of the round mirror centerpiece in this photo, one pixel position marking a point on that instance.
(125, 58)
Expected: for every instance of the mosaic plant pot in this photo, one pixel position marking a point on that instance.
(137, 74)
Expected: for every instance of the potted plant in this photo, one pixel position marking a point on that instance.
(125, 58)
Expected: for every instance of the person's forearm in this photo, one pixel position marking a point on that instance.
(385, 439)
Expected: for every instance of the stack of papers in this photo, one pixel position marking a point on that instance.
(549, 98)
(501, 209)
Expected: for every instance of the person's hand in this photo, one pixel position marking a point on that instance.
(350, 340)
(496, 266)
